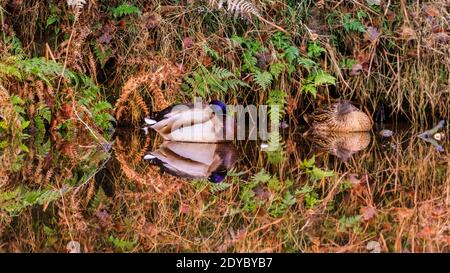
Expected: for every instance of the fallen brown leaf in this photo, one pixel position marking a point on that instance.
(367, 213)
(407, 33)
(431, 11)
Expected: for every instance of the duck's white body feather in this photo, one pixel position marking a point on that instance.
(188, 124)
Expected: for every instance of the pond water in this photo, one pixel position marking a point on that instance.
(383, 191)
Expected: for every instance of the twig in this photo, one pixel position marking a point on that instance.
(427, 136)
(335, 64)
(67, 54)
(48, 51)
(271, 24)
(429, 133)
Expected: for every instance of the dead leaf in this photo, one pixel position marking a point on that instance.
(390, 16)
(356, 70)
(66, 111)
(372, 34)
(151, 20)
(364, 179)
(262, 193)
(404, 213)
(73, 247)
(263, 60)
(187, 42)
(427, 232)
(373, 247)
(105, 219)
(440, 38)
(431, 11)
(407, 33)
(439, 211)
(207, 61)
(303, 48)
(105, 38)
(314, 36)
(150, 229)
(363, 57)
(184, 209)
(412, 52)
(367, 213)
(122, 24)
(353, 177)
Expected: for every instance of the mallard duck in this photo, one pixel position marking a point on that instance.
(340, 144)
(195, 160)
(194, 122)
(340, 117)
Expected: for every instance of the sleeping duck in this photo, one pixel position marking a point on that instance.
(194, 160)
(340, 117)
(194, 122)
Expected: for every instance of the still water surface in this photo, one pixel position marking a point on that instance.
(383, 191)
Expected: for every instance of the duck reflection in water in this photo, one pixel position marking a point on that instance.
(341, 145)
(195, 160)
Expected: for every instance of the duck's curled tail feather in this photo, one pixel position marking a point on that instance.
(150, 121)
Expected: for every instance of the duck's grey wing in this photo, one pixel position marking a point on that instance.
(199, 152)
(182, 118)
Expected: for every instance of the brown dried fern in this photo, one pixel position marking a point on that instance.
(167, 74)
(143, 179)
(39, 88)
(140, 102)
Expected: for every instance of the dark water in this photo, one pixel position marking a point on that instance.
(387, 190)
(213, 161)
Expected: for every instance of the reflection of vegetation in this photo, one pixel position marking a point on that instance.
(13, 202)
(275, 151)
(268, 208)
(123, 245)
(82, 163)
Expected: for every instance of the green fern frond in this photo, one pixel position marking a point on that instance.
(218, 187)
(352, 24)
(276, 69)
(260, 177)
(277, 98)
(125, 9)
(322, 77)
(211, 52)
(291, 54)
(315, 50)
(221, 73)
(102, 54)
(263, 79)
(203, 82)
